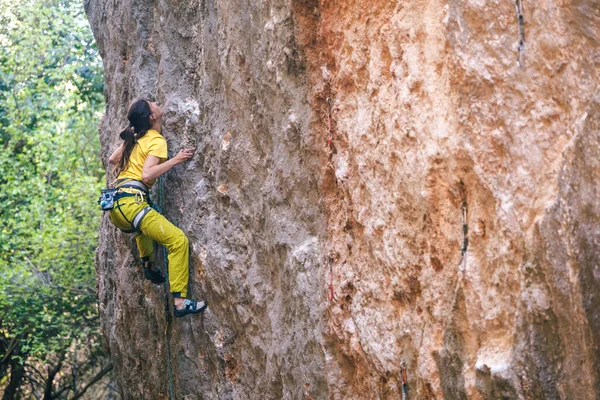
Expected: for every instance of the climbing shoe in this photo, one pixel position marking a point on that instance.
(154, 275)
(190, 307)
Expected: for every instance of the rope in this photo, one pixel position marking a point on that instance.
(159, 208)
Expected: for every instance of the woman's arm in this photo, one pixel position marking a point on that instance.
(153, 169)
(115, 157)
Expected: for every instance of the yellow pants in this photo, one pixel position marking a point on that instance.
(157, 228)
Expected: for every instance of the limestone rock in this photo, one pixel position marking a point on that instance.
(348, 135)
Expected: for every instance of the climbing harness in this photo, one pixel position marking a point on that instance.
(404, 381)
(139, 190)
(136, 223)
(331, 290)
(132, 184)
(521, 46)
(462, 264)
(329, 131)
(109, 200)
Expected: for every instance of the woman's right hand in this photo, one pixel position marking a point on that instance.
(153, 168)
(184, 155)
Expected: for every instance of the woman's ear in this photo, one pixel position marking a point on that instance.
(152, 117)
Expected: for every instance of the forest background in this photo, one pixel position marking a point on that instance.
(51, 99)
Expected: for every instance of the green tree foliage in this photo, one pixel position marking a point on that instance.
(51, 98)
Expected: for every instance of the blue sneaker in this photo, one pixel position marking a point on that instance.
(190, 307)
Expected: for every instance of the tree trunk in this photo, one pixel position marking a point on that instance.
(51, 375)
(17, 372)
(7, 349)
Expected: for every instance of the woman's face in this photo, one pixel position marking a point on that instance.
(157, 112)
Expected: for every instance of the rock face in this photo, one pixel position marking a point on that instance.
(349, 136)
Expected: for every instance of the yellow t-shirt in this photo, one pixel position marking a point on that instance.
(152, 143)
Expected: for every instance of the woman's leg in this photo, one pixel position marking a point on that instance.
(145, 246)
(156, 227)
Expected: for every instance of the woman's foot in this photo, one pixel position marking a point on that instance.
(187, 306)
(152, 274)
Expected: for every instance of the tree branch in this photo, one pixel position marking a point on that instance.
(31, 383)
(61, 391)
(43, 378)
(95, 379)
(11, 346)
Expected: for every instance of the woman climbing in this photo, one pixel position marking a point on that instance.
(141, 158)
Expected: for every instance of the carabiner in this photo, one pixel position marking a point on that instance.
(404, 381)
